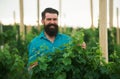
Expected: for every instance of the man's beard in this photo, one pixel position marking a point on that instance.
(51, 31)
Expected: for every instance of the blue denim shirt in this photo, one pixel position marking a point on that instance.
(40, 45)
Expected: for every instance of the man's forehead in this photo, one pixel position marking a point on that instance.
(49, 15)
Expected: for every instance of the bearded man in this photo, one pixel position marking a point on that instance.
(49, 39)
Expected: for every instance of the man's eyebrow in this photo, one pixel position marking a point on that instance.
(51, 18)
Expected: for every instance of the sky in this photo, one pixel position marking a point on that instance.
(74, 13)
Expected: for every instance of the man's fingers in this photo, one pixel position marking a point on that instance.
(84, 45)
(33, 65)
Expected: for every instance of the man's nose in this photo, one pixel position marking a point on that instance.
(52, 21)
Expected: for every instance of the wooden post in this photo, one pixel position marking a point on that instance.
(14, 17)
(38, 11)
(103, 28)
(2, 41)
(64, 25)
(28, 28)
(1, 29)
(91, 10)
(22, 29)
(111, 13)
(60, 15)
(118, 33)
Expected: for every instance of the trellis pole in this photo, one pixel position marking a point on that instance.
(60, 9)
(14, 17)
(22, 28)
(118, 31)
(103, 28)
(2, 41)
(91, 10)
(38, 13)
(111, 13)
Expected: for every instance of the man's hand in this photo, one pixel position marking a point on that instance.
(33, 65)
(83, 45)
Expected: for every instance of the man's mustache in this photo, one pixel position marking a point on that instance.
(49, 25)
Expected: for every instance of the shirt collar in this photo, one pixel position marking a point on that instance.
(42, 35)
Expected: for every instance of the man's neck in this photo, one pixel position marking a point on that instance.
(51, 38)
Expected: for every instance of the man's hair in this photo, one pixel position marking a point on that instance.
(49, 10)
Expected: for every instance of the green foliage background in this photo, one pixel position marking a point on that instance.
(71, 63)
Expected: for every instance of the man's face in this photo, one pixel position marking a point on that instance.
(51, 24)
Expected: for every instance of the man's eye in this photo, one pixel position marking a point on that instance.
(55, 19)
(49, 19)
